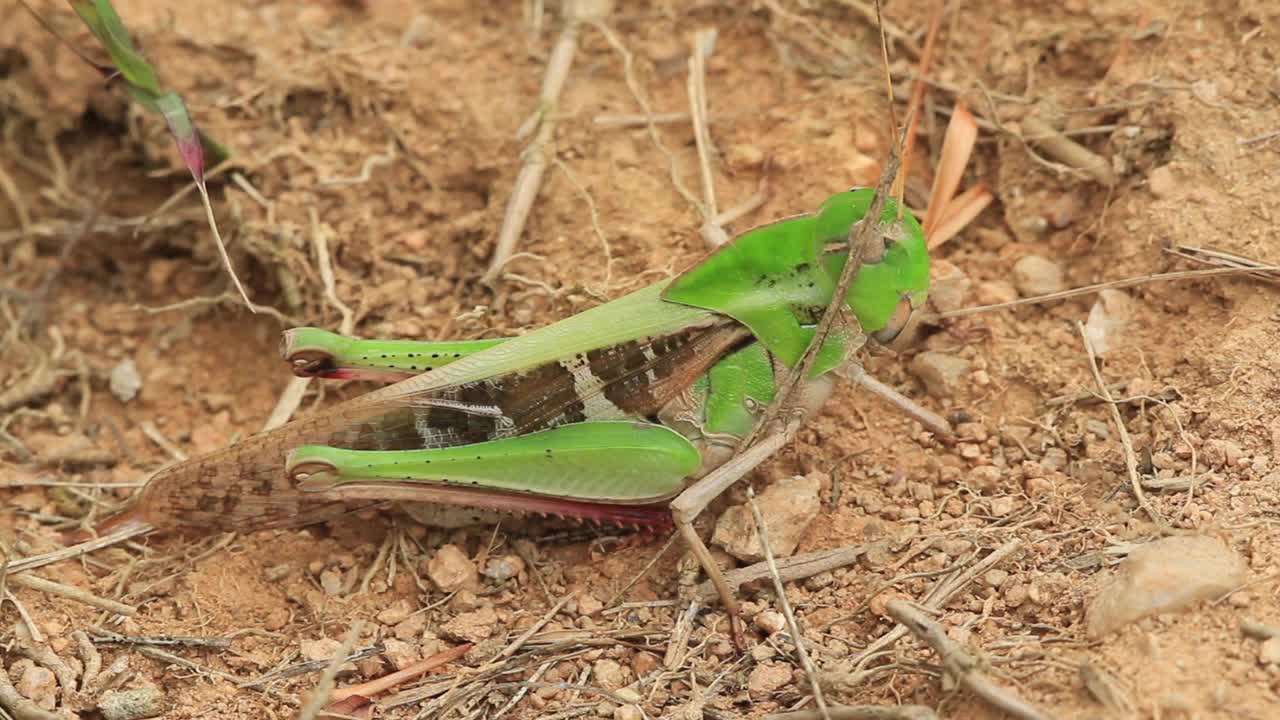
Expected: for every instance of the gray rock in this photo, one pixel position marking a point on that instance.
(1167, 575)
(942, 374)
(788, 506)
(143, 702)
(1035, 275)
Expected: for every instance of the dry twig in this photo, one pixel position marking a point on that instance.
(780, 590)
(320, 696)
(1130, 457)
(862, 712)
(529, 179)
(73, 593)
(960, 664)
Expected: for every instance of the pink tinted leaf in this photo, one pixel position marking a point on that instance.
(184, 132)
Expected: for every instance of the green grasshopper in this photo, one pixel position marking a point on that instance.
(606, 415)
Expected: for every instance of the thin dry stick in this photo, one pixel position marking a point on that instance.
(24, 615)
(1130, 457)
(320, 696)
(628, 72)
(938, 595)
(780, 590)
(862, 712)
(73, 593)
(529, 179)
(962, 666)
(703, 42)
(410, 672)
(1210, 256)
(222, 247)
(613, 602)
(293, 392)
(519, 642)
(10, 190)
(1068, 151)
(796, 567)
(1089, 289)
(153, 433)
(90, 658)
(78, 549)
(678, 643)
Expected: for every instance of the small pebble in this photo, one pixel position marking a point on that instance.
(744, 157)
(787, 507)
(942, 374)
(38, 685)
(1001, 506)
(450, 569)
(503, 567)
(135, 704)
(125, 381)
(643, 663)
(1107, 319)
(770, 621)
(1269, 651)
(609, 674)
(397, 613)
(331, 582)
(949, 287)
(399, 653)
(1161, 182)
(995, 292)
(768, 677)
(1034, 275)
(472, 626)
(1063, 210)
(275, 573)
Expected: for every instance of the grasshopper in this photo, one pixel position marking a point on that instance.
(606, 415)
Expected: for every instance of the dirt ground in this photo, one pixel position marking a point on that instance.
(390, 128)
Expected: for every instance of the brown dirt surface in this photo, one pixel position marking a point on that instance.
(391, 127)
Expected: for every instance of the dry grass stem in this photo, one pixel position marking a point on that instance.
(1219, 258)
(938, 595)
(862, 712)
(1126, 442)
(780, 591)
(76, 550)
(324, 687)
(529, 179)
(33, 582)
(796, 567)
(960, 664)
(410, 672)
(153, 433)
(1111, 284)
(1068, 151)
(703, 44)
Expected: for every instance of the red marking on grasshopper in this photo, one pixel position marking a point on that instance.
(655, 515)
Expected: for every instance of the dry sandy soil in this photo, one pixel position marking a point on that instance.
(416, 107)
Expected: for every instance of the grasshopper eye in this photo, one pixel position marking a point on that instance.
(898, 322)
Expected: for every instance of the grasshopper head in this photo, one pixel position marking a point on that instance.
(893, 280)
